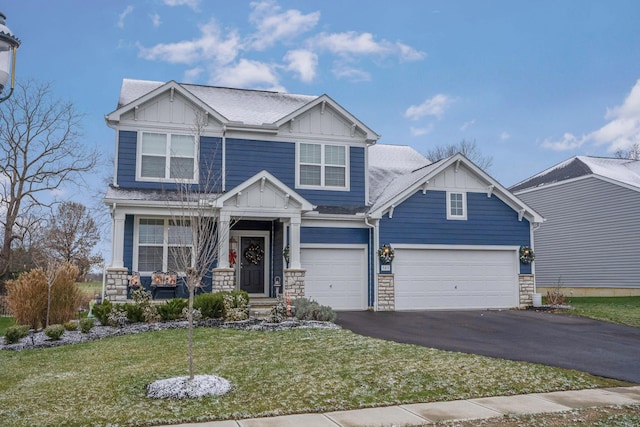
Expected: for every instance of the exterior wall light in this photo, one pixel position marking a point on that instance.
(9, 44)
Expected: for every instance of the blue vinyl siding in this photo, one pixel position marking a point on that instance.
(210, 162)
(128, 242)
(246, 158)
(422, 219)
(334, 235)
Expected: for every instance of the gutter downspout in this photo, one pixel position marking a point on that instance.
(374, 266)
(224, 158)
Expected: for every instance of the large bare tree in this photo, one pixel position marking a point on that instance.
(468, 148)
(71, 236)
(40, 150)
(632, 152)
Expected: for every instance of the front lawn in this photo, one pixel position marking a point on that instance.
(273, 373)
(622, 310)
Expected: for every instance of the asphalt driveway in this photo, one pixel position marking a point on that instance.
(599, 348)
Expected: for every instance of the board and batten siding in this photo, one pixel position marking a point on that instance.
(210, 158)
(422, 219)
(590, 237)
(245, 158)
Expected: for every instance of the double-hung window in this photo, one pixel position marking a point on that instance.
(167, 157)
(323, 166)
(456, 206)
(164, 245)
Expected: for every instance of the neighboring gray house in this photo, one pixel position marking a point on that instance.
(590, 241)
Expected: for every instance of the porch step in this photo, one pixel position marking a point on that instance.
(261, 307)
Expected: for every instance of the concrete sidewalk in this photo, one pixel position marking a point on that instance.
(425, 413)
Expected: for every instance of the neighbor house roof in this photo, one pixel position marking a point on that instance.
(623, 171)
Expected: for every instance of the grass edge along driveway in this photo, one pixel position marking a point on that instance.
(273, 373)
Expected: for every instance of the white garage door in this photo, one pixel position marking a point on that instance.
(336, 276)
(455, 279)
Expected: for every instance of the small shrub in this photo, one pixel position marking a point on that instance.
(210, 305)
(70, 326)
(86, 324)
(142, 299)
(54, 332)
(134, 312)
(196, 313)
(555, 295)
(278, 312)
(13, 334)
(305, 309)
(172, 309)
(101, 311)
(117, 316)
(236, 305)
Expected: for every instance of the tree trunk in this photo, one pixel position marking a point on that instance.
(190, 320)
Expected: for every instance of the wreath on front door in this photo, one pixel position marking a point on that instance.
(254, 254)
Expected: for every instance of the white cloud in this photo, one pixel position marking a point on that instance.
(622, 130)
(193, 4)
(420, 131)
(467, 125)
(302, 62)
(343, 71)
(504, 135)
(274, 26)
(123, 15)
(430, 107)
(155, 20)
(248, 74)
(568, 142)
(191, 75)
(352, 43)
(212, 44)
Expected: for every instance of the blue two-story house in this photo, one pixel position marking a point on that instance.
(303, 201)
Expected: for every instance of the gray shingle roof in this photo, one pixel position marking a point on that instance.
(624, 171)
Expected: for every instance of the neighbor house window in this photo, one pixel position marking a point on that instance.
(167, 157)
(322, 165)
(164, 245)
(456, 206)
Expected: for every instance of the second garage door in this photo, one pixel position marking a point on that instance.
(455, 279)
(336, 276)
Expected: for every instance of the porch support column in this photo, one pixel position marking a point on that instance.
(223, 241)
(117, 246)
(294, 243)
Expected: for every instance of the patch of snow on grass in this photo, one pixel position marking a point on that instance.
(182, 387)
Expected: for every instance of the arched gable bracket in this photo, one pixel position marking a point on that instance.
(424, 187)
(521, 213)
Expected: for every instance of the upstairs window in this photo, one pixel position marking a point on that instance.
(323, 166)
(456, 206)
(167, 157)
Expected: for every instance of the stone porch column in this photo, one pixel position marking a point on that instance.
(294, 283)
(224, 279)
(117, 283)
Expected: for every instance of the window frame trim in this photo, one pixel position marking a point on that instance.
(451, 216)
(167, 157)
(323, 165)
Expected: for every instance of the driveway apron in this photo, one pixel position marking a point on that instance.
(572, 342)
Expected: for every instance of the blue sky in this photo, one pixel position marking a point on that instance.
(533, 83)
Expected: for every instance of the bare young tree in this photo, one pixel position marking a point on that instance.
(193, 233)
(40, 150)
(468, 148)
(71, 236)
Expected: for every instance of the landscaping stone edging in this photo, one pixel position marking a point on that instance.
(40, 340)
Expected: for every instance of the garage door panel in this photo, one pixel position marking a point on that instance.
(452, 279)
(336, 277)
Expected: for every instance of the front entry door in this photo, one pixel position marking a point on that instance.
(252, 254)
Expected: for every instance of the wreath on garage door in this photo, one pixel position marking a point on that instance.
(254, 254)
(526, 255)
